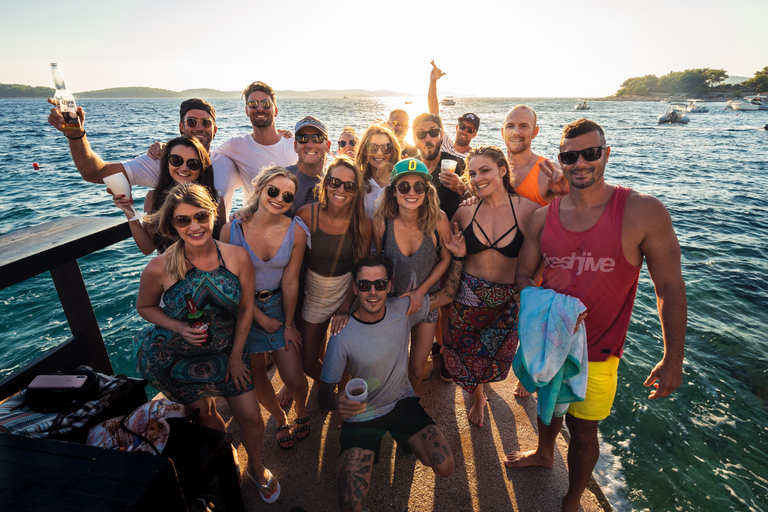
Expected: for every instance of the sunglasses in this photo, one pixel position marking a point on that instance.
(273, 191)
(374, 148)
(256, 103)
(349, 186)
(192, 122)
(182, 221)
(352, 143)
(469, 129)
(589, 154)
(404, 187)
(397, 124)
(193, 164)
(380, 284)
(316, 138)
(421, 134)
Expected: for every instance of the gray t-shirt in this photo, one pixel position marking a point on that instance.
(378, 353)
(304, 194)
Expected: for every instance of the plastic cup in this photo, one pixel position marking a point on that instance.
(447, 165)
(118, 184)
(357, 390)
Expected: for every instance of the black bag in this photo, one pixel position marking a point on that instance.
(57, 400)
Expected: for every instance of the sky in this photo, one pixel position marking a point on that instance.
(486, 47)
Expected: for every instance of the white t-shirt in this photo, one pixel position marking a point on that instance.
(144, 171)
(251, 157)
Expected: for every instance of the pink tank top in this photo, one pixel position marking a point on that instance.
(591, 265)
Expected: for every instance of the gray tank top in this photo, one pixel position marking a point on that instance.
(409, 271)
(269, 274)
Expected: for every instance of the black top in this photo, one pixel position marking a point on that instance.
(449, 200)
(474, 245)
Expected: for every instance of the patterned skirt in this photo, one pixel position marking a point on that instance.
(481, 338)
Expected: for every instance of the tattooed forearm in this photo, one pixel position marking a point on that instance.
(354, 478)
(446, 294)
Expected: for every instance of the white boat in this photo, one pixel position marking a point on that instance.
(761, 98)
(751, 105)
(448, 101)
(675, 113)
(582, 106)
(697, 107)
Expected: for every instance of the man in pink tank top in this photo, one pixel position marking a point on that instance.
(592, 242)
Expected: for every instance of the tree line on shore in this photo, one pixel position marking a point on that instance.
(698, 81)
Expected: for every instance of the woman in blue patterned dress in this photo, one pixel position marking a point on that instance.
(191, 365)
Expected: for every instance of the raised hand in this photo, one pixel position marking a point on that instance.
(436, 73)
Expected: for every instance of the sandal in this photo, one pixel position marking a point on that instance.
(266, 496)
(302, 432)
(283, 441)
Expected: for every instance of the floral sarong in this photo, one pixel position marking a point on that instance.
(481, 338)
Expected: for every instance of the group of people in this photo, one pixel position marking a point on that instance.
(375, 246)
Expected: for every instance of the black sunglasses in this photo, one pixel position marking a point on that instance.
(404, 187)
(192, 122)
(374, 148)
(182, 221)
(273, 191)
(589, 154)
(469, 129)
(316, 138)
(421, 134)
(349, 186)
(256, 103)
(380, 284)
(352, 143)
(193, 164)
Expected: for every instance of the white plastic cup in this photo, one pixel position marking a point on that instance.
(357, 390)
(447, 165)
(118, 184)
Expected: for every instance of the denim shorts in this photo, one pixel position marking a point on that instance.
(258, 339)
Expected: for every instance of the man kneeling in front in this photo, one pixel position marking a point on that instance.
(374, 347)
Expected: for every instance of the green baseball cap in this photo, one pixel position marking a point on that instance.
(410, 166)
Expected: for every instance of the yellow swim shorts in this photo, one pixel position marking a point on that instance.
(601, 390)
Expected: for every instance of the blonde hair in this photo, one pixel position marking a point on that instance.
(261, 181)
(429, 210)
(350, 130)
(357, 230)
(183, 193)
(362, 153)
(498, 157)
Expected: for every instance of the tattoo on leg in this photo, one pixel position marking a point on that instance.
(438, 458)
(353, 478)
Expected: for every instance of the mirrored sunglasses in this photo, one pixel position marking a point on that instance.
(192, 122)
(182, 221)
(256, 103)
(374, 148)
(316, 138)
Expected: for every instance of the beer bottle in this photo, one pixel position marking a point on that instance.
(196, 317)
(66, 101)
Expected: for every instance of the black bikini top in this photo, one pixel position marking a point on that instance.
(474, 245)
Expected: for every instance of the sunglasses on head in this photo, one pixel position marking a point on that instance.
(352, 143)
(404, 187)
(182, 221)
(374, 148)
(589, 154)
(273, 191)
(421, 134)
(349, 186)
(380, 284)
(192, 122)
(317, 138)
(256, 103)
(469, 129)
(193, 164)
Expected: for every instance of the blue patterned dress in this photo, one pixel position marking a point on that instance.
(182, 371)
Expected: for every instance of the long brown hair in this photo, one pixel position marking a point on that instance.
(361, 159)
(357, 230)
(499, 158)
(165, 182)
(429, 211)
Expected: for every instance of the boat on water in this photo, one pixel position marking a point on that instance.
(750, 105)
(697, 107)
(675, 113)
(760, 99)
(448, 101)
(581, 106)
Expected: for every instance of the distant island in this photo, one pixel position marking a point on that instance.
(26, 91)
(704, 83)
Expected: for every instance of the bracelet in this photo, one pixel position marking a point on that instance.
(289, 327)
(458, 258)
(75, 138)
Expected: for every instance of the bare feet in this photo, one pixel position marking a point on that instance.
(477, 411)
(283, 397)
(520, 390)
(529, 458)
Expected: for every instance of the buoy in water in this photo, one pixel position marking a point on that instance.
(35, 166)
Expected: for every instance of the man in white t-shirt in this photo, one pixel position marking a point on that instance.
(263, 147)
(466, 128)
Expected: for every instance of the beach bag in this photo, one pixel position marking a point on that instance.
(57, 400)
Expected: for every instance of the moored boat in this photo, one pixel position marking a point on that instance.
(675, 113)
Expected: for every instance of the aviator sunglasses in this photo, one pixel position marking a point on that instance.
(404, 187)
(273, 191)
(380, 284)
(589, 154)
(255, 104)
(316, 138)
(421, 134)
(352, 143)
(374, 148)
(182, 221)
(469, 129)
(349, 186)
(193, 164)
(192, 122)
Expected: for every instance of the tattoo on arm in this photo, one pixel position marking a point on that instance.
(446, 294)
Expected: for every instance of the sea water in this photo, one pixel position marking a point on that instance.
(703, 448)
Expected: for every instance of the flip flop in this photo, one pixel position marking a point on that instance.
(282, 441)
(266, 496)
(302, 432)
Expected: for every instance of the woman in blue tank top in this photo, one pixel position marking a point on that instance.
(275, 245)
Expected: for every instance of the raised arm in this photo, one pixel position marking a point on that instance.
(434, 76)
